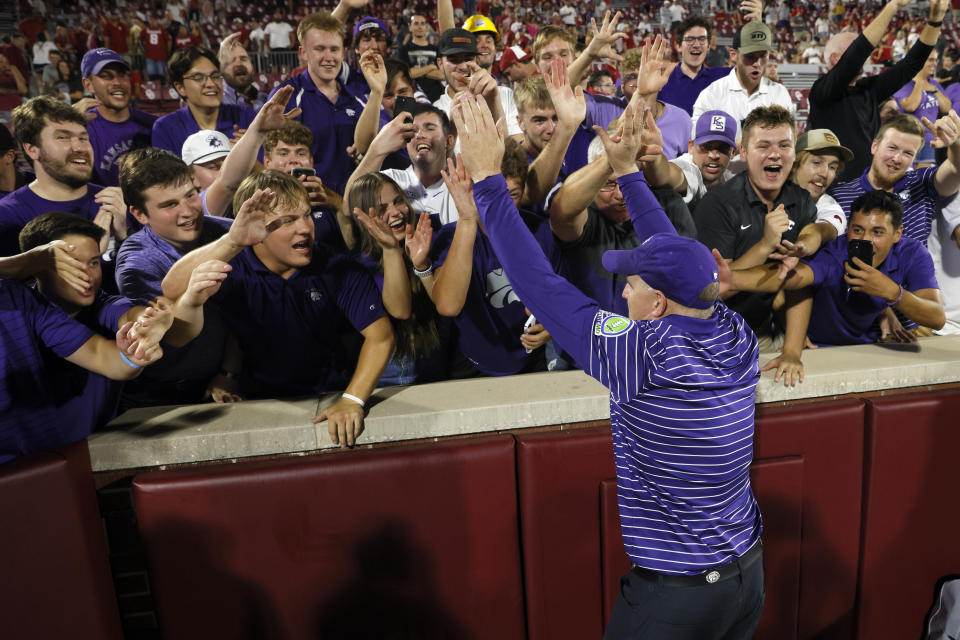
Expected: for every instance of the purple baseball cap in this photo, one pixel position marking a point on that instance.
(716, 125)
(679, 267)
(96, 59)
(368, 23)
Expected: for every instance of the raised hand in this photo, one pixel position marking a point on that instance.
(775, 224)
(204, 282)
(482, 83)
(130, 346)
(623, 146)
(651, 139)
(654, 72)
(374, 71)
(938, 8)
(752, 10)
(149, 328)
(569, 103)
(417, 242)
(377, 227)
(481, 139)
(460, 186)
(271, 115)
(83, 105)
(394, 135)
(250, 226)
(946, 130)
(601, 45)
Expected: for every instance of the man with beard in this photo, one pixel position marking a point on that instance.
(690, 77)
(55, 141)
(921, 192)
(115, 127)
(237, 70)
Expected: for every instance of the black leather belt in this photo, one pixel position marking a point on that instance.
(712, 576)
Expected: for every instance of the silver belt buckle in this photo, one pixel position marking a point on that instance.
(712, 577)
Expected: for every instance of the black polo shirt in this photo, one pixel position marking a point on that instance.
(730, 218)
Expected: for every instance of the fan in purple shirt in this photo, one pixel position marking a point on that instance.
(59, 373)
(289, 300)
(195, 73)
(836, 297)
(690, 76)
(115, 128)
(55, 141)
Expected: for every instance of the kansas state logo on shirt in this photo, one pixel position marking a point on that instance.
(499, 290)
(315, 295)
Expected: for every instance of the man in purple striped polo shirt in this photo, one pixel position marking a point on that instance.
(682, 373)
(921, 192)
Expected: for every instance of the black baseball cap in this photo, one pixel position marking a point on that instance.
(454, 41)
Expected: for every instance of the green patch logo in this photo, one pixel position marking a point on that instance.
(615, 326)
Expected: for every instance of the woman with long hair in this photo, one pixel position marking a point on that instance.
(393, 244)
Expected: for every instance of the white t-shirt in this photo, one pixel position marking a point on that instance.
(695, 184)
(946, 264)
(830, 211)
(676, 12)
(278, 34)
(506, 101)
(812, 55)
(727, 94)
(569, 15)
(433, 199)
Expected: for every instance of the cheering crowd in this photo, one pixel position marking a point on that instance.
(320, 233)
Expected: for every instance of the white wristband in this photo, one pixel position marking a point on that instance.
(353, 398)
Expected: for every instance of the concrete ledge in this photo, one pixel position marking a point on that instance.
(160, 436)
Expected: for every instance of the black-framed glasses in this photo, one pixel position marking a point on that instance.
(216, 77)
(695, 40)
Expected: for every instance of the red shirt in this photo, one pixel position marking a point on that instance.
(155, 43)
(116, 35)
(15, 57)
(30, 27)
(182, 42)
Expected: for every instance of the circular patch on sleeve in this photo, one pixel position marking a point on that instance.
(614, 326)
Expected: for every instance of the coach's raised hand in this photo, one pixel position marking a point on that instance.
(481, 139)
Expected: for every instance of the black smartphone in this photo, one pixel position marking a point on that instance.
(303, 171)
(862, 249)
(404, 103)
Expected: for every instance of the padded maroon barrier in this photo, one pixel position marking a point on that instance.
(55, 575)
(413, 541)
(559, 474)
(911, 514)
(807, 480)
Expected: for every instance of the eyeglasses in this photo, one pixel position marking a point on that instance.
(199, 78)
(695, 40)
(608, 187)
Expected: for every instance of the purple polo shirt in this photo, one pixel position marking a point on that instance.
(929, 107)
(46, 401)
(23, 205)
(290, 330)
(842, 316)
(332, 126)
(601, 110)
(492, 319)
(230, 96)
(111, 140)
(916, 192)
(682, 91)
(170, 131)
(675, 126)
(142, 262)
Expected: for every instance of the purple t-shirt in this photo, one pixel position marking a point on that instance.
(46, 401)
(170, 131)
(492, 318)
(683, 91)
(842, 316)
(290, 329)
(111, 140)
(675, 126)
(142, 262)
(929, 107)
(23, 205)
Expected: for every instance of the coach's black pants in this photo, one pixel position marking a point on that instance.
(647, 609)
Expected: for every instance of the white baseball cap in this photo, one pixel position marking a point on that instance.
(204, 146)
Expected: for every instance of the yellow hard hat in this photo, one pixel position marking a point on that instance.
(480, 24)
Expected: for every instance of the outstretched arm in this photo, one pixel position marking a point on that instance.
(558, 305)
